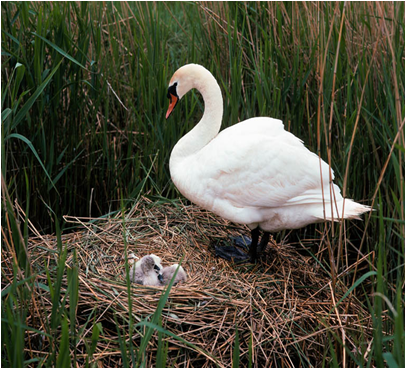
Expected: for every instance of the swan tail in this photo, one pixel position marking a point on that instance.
(345, 209)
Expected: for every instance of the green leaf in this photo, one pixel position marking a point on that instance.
(356, 284)
(155, 318)
(97, 328)
(162, 352)
(236, 350)
(12, 37)
(28, 142)
(9, 288)
(390, 360)
(60, 174)
(59, 50)
(43, 286)
(25, 327)
(5, 113)
(158, 328)
(63, 360)
(30, 102)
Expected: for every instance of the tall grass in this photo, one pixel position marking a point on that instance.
(83, 104)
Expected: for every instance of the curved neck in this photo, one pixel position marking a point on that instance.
(209, 125)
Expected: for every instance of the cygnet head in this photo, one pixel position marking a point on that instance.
(150, 262)
(147, 271)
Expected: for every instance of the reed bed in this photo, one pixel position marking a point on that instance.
(84, 135)
(283, 309)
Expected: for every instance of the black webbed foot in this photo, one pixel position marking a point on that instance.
(241, 241)
(233, 253)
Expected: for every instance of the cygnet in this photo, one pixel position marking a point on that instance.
(147, 271)
(168, 272)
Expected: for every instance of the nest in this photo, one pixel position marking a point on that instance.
(281, 308)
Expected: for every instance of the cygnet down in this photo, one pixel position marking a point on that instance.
(168, 272)
(147, 271)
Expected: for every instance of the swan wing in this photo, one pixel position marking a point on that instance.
(257, 163)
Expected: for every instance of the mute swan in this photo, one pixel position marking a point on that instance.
(253, 172)
(168, 272)
(147, 271)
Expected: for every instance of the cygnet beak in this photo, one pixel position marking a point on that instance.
(160, 277)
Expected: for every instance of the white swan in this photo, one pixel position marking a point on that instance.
(253, 172)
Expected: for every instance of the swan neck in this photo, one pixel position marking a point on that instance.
(209, 125)
(213, 109)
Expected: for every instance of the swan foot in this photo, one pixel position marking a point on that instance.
(232, 253)
(242, 241)
(235, 254)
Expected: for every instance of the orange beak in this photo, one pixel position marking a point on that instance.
(172, 104)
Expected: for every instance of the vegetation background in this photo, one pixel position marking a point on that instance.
(84, 132)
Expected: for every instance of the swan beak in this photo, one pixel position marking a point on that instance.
(172, 104)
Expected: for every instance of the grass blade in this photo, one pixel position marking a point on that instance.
(59, 50)
(29, 144)
(30, 102)
(63, 360)
(236, 349)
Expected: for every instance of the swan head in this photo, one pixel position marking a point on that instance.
(185, 78)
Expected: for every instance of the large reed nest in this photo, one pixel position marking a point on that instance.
(282, 307)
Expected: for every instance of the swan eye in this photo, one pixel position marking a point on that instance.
(172, 90)
(173, 97)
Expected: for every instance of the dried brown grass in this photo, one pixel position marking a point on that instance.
(282, 307)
